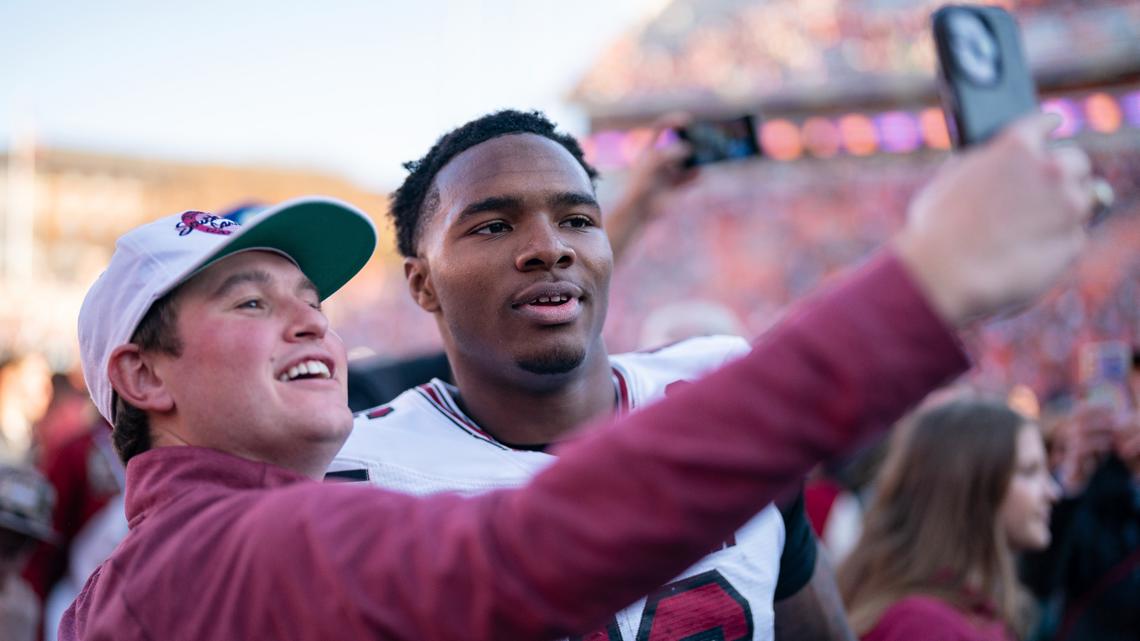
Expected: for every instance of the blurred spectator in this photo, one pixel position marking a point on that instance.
(87, 477)
(1089, 577)
(25, 518)
(836, 497)
(25, 392)
(68, 415)
(835, 513)
(965, 484)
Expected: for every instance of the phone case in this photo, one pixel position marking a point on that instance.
(984, 80)
(720, 140)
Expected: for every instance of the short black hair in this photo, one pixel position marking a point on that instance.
(414, 196)
(157, 332)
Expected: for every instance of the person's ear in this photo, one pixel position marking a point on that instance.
(135, 380)
(418, 274)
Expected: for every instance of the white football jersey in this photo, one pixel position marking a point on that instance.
(422, 443)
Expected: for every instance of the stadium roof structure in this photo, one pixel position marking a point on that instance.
(799, 56)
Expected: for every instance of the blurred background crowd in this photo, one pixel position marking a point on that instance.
(850, 127)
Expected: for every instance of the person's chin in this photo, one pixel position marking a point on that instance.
(1036, 541)
(325, 423)
(562, 360)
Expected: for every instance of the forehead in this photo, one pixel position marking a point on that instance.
(273, 264)
(516, 164)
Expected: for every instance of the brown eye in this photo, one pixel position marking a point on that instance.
(579, 222)
(495, 227)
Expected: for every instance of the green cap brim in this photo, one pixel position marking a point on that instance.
(329, 240)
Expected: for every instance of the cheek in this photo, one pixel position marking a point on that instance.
(335, 345)
(1016, 506)
(1022, 510)
(466, 291)
(227, 353)
(599, 255)
(600, 267)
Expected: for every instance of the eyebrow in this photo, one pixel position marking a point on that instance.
(259, 277)
(573, 199)
(504, 203)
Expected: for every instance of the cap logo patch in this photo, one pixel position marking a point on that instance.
(201, 221)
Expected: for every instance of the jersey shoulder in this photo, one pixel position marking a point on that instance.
(648, 373)
(413, 427)
(412, 408)
(422, 443)
(697, 354)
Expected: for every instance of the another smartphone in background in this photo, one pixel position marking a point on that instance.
(720, 140)
(1103, 374)
(984, 80)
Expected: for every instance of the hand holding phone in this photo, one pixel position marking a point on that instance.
(984, 81)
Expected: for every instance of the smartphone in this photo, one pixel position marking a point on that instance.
(1104, 370)
(983, 78)
(720, 140)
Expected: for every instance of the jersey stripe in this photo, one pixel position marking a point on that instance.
(436, 398)
(440, 398)
(625, 399)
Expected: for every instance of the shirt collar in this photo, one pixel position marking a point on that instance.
(163, 474)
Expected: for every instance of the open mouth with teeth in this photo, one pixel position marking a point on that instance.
(550, 300)
(305, 370)
(549, 309)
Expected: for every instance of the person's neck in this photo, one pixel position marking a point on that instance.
(308, 458)
(526, 409)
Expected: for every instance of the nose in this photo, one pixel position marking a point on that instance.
(306, 322)
(545, 248)
(1053, 489)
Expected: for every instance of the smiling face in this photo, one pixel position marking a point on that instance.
(1024, 512)
(513, 260)
(259, 375)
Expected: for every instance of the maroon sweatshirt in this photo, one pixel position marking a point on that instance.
(932, 619)
(223, 549)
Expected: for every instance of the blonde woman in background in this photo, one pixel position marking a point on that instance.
(965, 486)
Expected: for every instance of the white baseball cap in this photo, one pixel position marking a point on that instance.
(329, 240)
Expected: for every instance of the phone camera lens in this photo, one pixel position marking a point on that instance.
(975, 51)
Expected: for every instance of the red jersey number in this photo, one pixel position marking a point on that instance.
(703, 607)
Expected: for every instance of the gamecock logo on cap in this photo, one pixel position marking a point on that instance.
(201, 221)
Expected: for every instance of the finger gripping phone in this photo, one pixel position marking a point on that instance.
(720, 140)
(984, 81)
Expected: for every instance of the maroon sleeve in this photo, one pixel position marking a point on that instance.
(627, 506)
